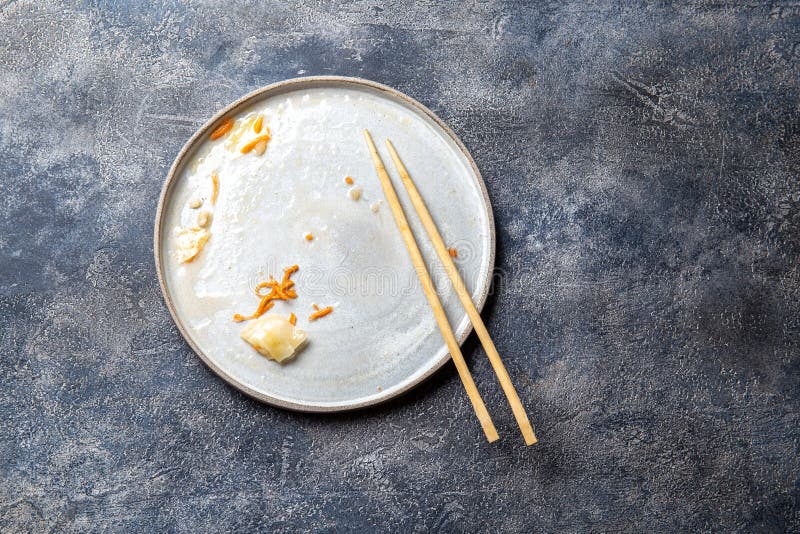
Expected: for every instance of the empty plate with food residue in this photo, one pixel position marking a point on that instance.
(281, 265)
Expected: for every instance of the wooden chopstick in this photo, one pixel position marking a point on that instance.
(466, 300)
(430, 293)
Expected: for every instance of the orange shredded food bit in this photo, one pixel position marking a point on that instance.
(348, 180)
(287, 273)
(263, 307)
(277, 291)
(292, 319)
(315, 307)
(214, 187)
(321, 312)
(453, 252)
(309, 237)
(261, 286)
(257, 125)
(252, 144)
(222, 129)
(280, 294)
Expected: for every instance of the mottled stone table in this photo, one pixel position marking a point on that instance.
(644, 167)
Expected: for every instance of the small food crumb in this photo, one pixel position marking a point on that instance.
(348, 180)
(203, 219)
(320, 312)
(222, 129)
(375, 206)
(258, 123)
(292, 319)
(195, 203)
(260, 147)
(190, 242)
(355, 192)
(214, 187)
(308, 236)
(380, 388)
(453, 252)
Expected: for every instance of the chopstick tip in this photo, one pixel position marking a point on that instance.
(372, 148)
(368, 138)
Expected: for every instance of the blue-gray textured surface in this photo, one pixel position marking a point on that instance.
(643, 166)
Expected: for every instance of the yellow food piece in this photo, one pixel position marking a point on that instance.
(260, 147)
(274, 336)
(204, 219)
(214, 187)
(355, 192)
(190, 242)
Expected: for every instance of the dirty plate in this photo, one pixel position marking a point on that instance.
(381, 338)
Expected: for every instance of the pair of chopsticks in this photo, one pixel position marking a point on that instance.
(458, 285)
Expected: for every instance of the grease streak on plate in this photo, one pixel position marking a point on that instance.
(381, 338)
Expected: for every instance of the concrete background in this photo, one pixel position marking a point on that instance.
(643, 162)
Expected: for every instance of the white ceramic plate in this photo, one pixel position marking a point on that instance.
(381, 338)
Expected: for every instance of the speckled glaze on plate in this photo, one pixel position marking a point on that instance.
(381, 338)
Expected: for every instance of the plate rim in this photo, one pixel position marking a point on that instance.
(277, 88)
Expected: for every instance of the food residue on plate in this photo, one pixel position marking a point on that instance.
(260, 148)
(453, 252)
(242, 127)
(271, 334)
(190, 242)
(355, 192)
(259, 143)
(214, 187)
(277, 291)
(375, 206)
(320, 312)
(222, 129)
(204, 218)
(274, 336)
